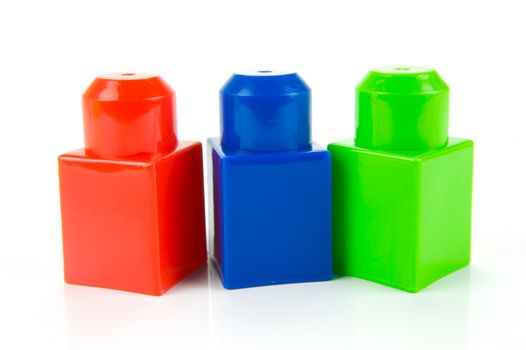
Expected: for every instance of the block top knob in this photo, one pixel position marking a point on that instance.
(402, 108)
(265, 111)
(129, 114)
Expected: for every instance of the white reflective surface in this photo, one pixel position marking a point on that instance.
(476, 307)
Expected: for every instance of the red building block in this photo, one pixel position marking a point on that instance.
(132, 200)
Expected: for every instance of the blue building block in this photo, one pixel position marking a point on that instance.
(271, 187)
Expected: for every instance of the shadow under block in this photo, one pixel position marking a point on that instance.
(404, 219)
(136, 225)
(271, 216)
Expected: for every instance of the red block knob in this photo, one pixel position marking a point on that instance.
(129, 114)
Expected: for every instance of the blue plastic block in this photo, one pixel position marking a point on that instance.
(271, 188)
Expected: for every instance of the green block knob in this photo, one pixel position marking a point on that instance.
(402, 187)
(402, 108)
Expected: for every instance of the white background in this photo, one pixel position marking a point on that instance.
(51, 50)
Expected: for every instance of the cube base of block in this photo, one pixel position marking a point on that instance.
(270, 216)
(401, 219)
(135, 225)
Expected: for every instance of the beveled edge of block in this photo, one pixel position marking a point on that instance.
(417, 156)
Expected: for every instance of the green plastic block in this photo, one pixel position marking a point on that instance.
(402, 203)
(401, 220)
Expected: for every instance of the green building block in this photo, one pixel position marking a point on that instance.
(402, 188)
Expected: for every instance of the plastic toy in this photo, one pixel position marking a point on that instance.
(402, 188)
(132, 199)
(271, 187)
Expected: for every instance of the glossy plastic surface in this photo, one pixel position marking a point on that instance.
(129, 114)
(271, 189)
(132, 219)
(272, 217)
(401, 198)
(265, 111)
(402, 108)
(402, 219)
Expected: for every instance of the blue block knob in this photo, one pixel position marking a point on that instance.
(265, 111)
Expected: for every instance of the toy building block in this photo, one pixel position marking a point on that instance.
(132, 199)
(271, 187)
(402, 188)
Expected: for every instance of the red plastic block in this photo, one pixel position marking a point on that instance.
(132, 200)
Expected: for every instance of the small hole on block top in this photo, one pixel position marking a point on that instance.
(127, 74)
(264, 71)
(402, 68)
